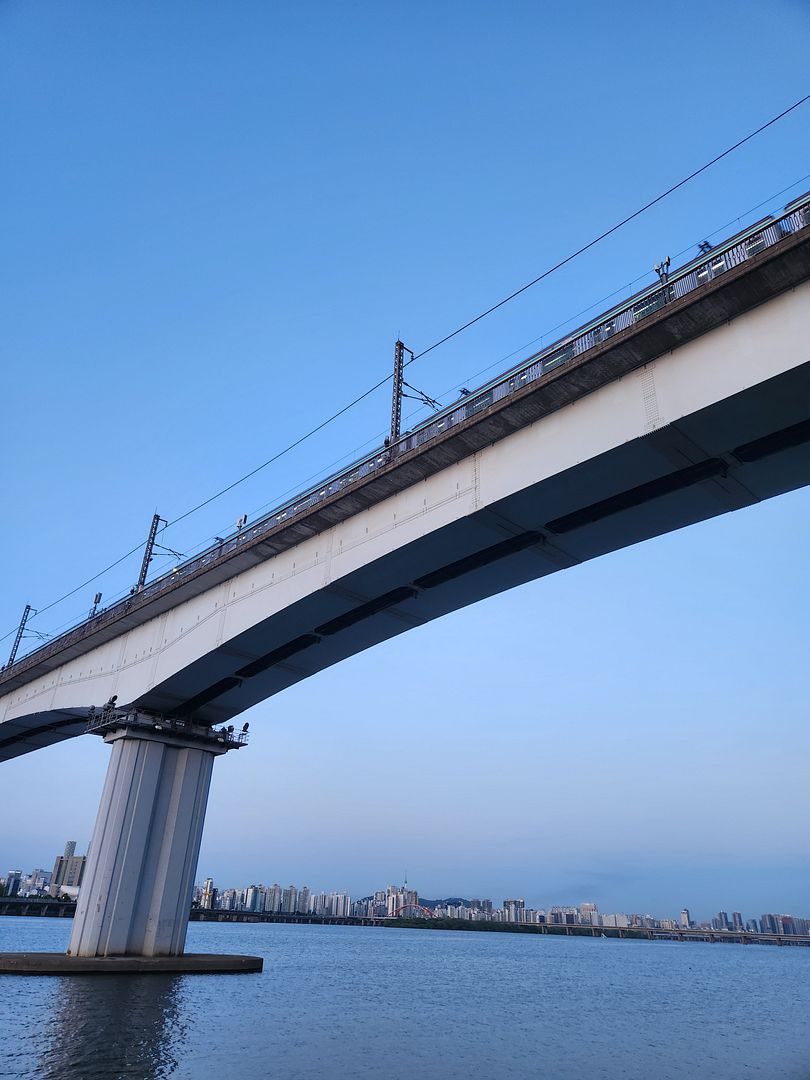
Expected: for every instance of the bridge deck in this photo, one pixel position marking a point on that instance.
(758, 278)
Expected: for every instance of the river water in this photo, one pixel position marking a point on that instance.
(337, 1001)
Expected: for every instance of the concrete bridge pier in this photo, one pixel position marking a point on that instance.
(136, 893)
(134, 902)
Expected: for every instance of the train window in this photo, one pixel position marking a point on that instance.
(476, 406)
(650, 304)
(718, 265)
(559, 357)
(755, 244)
(601, 333)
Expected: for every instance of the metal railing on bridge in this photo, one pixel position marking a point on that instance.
(109, 718)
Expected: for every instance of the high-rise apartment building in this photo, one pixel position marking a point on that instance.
(209, 894)
(588, 914)
(341, 904)
(39, 880)
(68, 870)
(255, 898)
(13, 879)
(398, 897)
(514, 910)
(289, 899)
(686, 918)
(302, 905)
(786, 924)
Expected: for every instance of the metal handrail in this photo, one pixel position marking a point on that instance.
(698, 272)
(109, 718)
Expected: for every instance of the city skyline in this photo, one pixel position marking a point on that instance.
(386, 903)
(68, 868)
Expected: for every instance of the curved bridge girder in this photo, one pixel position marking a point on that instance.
(730, 427)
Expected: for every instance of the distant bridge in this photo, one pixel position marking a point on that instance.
(408, 911)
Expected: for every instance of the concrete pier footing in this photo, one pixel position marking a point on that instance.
(188, 964)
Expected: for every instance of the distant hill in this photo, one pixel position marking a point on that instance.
(454, 901)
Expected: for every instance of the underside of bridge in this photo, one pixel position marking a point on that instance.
(736, 453)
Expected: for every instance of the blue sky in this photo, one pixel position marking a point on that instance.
(217, 219)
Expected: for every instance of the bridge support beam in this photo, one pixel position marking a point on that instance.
(135, 897)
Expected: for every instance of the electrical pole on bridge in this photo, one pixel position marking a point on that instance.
(398, 393)
(19, 636)
(396, 396)
(147, 555)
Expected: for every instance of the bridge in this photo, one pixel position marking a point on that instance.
(691, 399)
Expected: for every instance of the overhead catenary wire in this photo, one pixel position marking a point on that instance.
(436, 344)
(375, 440)
(212, 498)
(611, 230)
(84, 584)
(599, 304)
(281, 453)
(489, 311)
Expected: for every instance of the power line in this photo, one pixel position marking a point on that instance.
(90, 580)
(212, 498)
(501, 303)
(377, 439)
(281, 453)
(612, 229)
(599, 304)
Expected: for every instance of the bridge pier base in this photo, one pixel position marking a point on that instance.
(135, 897)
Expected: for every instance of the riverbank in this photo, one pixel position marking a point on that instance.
(633, 933)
